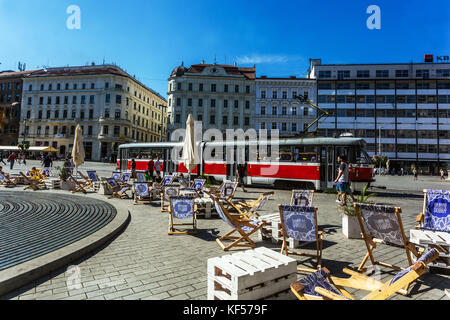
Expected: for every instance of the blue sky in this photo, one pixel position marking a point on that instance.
(150, 38)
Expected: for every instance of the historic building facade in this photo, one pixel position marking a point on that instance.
(408, 105)
(10, 104)
(221, 96)
(111, 106)
(277, 106)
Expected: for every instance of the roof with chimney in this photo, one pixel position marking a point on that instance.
(248, 73)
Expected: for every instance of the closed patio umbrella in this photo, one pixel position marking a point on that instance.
(78, 148)
(190, 155)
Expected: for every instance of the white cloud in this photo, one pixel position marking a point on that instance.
(257, 59)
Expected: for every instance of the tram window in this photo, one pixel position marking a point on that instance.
(285, 157)
(305, 157)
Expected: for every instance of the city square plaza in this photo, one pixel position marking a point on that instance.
(139, 260)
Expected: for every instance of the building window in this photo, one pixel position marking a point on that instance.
(305, 111)
(213, 87)
(49, 100)
(225, 103)
(106, 113)
(105, 129)
(284, 111)
(75, 86)
(56, 114)
(30, 87)
(362, 73)
(118, 99)
(401, 73)
(425, 74)
(294, 111)
(178, 102)
(82, 114)
(343, 74)
(263, 125)
(225, 88)
(236, 103)
(225, 120)
(382, 74)
(89, 130)
(324, 74)
(108, 98)
(274, 111)
(190, 102)
(236, 121)
(294, 127)
(274, 94)
(212, 119)
(200, 87)
(177, 118)
(274, 125)
(247, 104)
(29, 101)
(213, 103)
(92, 85)
(236, 88)
(116, 131)
(284, 94)
(83, 99)
(294, 94)
(117, 114)
(263, 94)
(246, 121)
(74, 99)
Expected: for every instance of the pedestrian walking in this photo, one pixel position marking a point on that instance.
(151, 167)
(416, 174)
(47, 162)
(240, 173)
(1, 159)
(133, 168)
(11, 159)
(158, 166)
(343, 185)
(442, 174)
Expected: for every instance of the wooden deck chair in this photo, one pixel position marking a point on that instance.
(198, 184)
(244, 226)
(94, 179)
(118, 191)
(302, 198)
(81, 186)
(182, 208)
(183, 182)
(300, 223)
(168, 191)
(6, 181)
(142, 193)
(125, 178)
(158, 189)
(116, 175)
(248, 208)
(321, 286)
(382, 225)
(433, 230)
(140, 177)
(35, 183)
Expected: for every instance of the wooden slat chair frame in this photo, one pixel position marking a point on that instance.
(321, 286)
(81, 186)
(141, 193)
(118, 191)
(183, 204)
(183, 182)
(307, 214)
(158, 188)
(33, 183)
(244, 226)
(7, 182)
(88, 183)
(371, 241)
(302, 198)
(94, 179)
(167, 192)
(251, 207)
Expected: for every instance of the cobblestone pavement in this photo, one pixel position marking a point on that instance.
(143, 262)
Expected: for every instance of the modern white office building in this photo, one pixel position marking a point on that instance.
(407, 104)
(221, 96)
(277, 106)
(111, 106)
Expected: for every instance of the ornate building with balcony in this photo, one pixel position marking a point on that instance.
(111, 107)
(10, 104)
(220, 96)
(402, 110)
(278, 108)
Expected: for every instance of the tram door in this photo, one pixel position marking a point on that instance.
(123, 160)
(327, 166)
(240, 156)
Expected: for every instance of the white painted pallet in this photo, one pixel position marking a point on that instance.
(53, 183)
(204, 206)
(434, 239)
(272, 231)
(253, 274)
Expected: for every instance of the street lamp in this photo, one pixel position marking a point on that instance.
(379, 147)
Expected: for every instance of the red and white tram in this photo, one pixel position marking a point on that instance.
(300, 162)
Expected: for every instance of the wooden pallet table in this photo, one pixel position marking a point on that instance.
(434, 239)
(53, 183)
(251, 275)
(204, 207)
